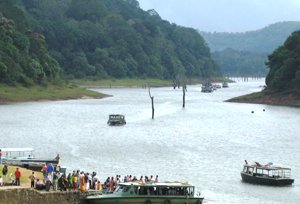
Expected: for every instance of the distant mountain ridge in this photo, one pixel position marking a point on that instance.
(245, 54)
(264, 40)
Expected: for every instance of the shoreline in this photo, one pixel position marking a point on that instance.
(19, 94)
(7, 102)
(269, 98)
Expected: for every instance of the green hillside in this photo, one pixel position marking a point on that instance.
(284, 64)
(245, 54)
(23, 53)
(241, 63)
(264, 40)
(101, 39)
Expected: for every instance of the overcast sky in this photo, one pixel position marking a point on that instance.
(225, 15)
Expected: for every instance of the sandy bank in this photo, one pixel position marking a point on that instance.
(283, 99)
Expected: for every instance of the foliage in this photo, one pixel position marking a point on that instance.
(116, 38)
(284, 64)
(23, 54)
(264, 40)
(244, 54)
(241, 63)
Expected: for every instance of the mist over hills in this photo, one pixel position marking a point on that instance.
(245, 54)
(264, 40)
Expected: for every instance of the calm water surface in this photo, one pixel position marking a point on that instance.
(205, 143)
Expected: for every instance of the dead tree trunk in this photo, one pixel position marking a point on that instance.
(183, 99)
(152, 103)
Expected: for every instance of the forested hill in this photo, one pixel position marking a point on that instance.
(264, 40)
(112, 38)
(245, 54)
(284, 64)
(23, 54)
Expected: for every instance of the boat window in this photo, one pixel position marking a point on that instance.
(250, 170)
(119, 188)
(259, 171)
(122, 188)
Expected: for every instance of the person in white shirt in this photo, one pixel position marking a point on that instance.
(1, 181)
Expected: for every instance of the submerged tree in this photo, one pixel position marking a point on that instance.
(152, 102)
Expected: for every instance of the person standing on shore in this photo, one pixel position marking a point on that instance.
(1, 181)
(4, 172)
(32, 180)
(50, 170)
(18, 176)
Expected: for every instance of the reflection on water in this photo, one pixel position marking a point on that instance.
(205, 143)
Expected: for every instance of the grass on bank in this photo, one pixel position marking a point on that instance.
(25, 173)
(74, 89)
(138, 82)
(123, 82)
(50, 92)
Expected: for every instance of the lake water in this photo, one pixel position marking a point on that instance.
(206, 143)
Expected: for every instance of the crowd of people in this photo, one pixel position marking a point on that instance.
(10, 179)
(53, 179)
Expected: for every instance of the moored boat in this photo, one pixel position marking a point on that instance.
(24, 157)
(149, 193)
(266, 174)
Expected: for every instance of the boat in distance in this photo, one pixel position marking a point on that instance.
(266, 174)
(116, 119)
(148, 193)
(207, 87)
(24, 157)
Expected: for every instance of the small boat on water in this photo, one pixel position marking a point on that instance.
(24, 157)
(207, 88)
(225, 84)
(116, 119)
(266, 174)
(149, 193)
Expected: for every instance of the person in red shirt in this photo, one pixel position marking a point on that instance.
(18, 176)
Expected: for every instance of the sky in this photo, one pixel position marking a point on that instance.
(225, 15)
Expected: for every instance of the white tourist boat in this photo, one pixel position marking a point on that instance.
(24, 157)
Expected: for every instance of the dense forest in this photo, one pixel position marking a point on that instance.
(241, 63)
(284, 64)
(245, 54)
(23, 54)
(96, 39)
(264, 40)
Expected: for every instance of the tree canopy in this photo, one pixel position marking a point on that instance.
(23, 54)
(245, 54)
(241, 63)
(284, 64)
(107, 38)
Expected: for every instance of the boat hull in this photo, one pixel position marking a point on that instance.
(143, 200)
(32, 164)
(263, 180)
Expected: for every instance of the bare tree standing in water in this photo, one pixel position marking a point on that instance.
(152, 102)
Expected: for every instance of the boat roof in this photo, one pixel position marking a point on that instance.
(17, 149)
(158, 184)
(267, 167)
